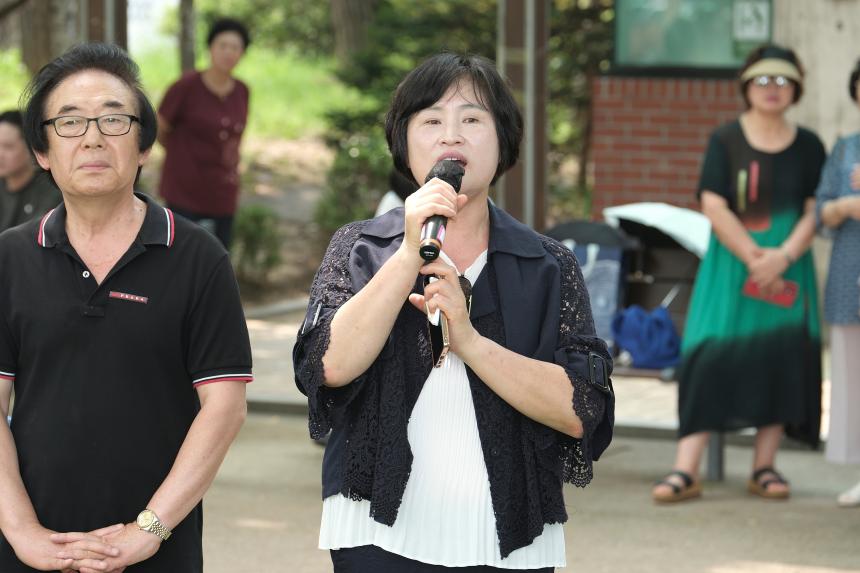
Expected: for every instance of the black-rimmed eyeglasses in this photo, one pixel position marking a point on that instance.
(76, 125)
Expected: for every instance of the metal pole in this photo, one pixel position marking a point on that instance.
(531, 131)
(501, 62)
(110, 21)
(715, 467)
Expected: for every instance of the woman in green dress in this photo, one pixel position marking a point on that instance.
(751, 355)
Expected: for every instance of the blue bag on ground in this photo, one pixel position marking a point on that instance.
(649, 337)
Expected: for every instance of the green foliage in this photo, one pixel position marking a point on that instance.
(359, 175)
(14, 77)
(300, 25)
(568, 202)
(402, 33)
(158, 69)
(290, 95)
(353, 189)
(405, 32)
(580, 48)
(256, 243)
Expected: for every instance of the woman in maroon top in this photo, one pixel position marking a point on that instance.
(200, 124)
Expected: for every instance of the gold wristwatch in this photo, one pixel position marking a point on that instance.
(148, 521)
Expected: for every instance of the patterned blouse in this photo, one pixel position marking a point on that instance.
(842, 294)
(531, 299)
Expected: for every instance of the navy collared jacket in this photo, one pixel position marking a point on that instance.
(531, 299)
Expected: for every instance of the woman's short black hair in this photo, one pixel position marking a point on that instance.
(108, 58)
(229, 25)
(427, 83)
(768, 51)
(401, 185)
(852, 81)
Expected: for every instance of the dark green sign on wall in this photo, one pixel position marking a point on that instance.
(693, 35)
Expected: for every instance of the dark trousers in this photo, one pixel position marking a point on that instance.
(221, 227)
(372, 559)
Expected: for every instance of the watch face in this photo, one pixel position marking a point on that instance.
(145, 519)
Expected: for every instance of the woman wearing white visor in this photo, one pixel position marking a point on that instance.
(751, 355)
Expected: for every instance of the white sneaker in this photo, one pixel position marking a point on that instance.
(850, 498)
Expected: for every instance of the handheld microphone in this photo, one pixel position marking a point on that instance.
(433, 230)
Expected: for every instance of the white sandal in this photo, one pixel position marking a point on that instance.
(850, 498)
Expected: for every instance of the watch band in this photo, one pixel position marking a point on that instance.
(148, 521)
(158, 529)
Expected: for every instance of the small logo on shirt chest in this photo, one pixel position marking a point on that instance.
(128, 297)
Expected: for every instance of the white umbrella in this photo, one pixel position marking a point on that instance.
(690, 228)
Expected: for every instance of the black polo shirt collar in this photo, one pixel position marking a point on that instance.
(158, 225)
(507, 235)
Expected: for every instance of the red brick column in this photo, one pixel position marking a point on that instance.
(650, 134)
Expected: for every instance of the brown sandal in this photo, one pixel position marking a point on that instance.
(690, 489)
(760, 487)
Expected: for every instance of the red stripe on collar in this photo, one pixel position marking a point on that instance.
(40, 237)
(171, 227)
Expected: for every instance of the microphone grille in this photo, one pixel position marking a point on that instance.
(451, 172)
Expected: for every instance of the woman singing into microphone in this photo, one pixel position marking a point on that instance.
(456, 462)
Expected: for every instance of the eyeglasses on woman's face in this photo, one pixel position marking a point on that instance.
(112, 124)
(765, 81)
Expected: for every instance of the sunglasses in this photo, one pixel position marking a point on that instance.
(764, 81)
(440, 340)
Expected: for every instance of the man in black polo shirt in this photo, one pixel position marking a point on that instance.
(24, 193)
(122, 333)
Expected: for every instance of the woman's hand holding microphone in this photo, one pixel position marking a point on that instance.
(436, 197)
(433, 198)
(447, 295)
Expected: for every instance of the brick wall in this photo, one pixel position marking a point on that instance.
(650, 134)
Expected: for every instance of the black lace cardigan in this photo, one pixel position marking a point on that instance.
(530, 298)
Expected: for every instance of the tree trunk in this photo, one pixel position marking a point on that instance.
(9, 8)
(52, 26)
(186, 34)
(10, 25)
(350, 20)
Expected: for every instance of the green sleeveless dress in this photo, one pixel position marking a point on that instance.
(747, 362)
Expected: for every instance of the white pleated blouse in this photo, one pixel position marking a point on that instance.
(446, 515)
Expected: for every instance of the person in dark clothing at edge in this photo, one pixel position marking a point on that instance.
(24, 193)
(122, 334)
(458, 467)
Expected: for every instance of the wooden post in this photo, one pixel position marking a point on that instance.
(119, 17)
(186, 34)
(106, 21)
(36, 43)
(523, 30)
(95, 21)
